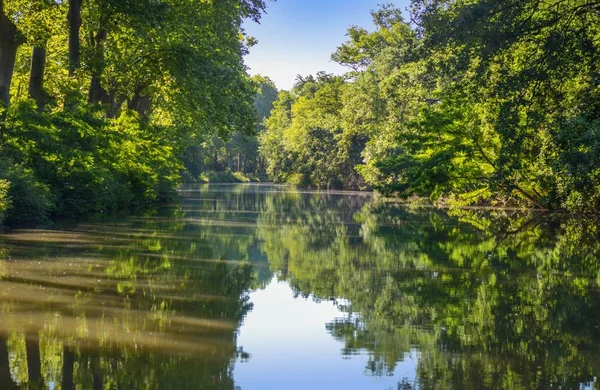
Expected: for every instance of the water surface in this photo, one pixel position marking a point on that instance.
(267, 287)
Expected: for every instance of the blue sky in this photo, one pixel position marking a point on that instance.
(298, 36)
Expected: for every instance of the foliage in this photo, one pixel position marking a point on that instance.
(5, 203)
(227, 176)
(30, 200)
(213, 157)
(88, 165)
(102, 99)
(304, 143)
(482, 101)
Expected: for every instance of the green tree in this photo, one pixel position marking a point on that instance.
(304, 143)
(472, 102)
(120, 90)
(216, 156)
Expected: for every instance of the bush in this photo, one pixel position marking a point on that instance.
(73, 163)
(30, 200)
(299, 180)
(4, 199)
(227, 177)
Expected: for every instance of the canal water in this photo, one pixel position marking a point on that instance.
(270, 287)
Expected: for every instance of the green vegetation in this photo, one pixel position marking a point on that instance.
(233, 157)
(108, 104)
(102, 100)
(486, 101)
(227, 176)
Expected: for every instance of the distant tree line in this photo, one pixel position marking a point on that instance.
(234, 156)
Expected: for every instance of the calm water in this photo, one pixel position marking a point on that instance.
(264, 287)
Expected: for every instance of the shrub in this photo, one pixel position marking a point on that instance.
(4, 199)
(226, 176)
(299, 179)
(30, 200)
(75, 162)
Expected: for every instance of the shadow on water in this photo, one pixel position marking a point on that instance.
(144, 302)
(485, 299)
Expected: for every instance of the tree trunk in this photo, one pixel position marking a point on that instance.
(114, 109)
(146, 106)
(36, 80)
(97, 93)
(140, 103)
(34, 362)
(9, 43)
(74, 19)
(239, 162)
(215, 160)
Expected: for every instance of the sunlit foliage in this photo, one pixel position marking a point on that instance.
(472, 102)
(101, 99)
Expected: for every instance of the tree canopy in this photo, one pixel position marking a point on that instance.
(101, 99)
(466, 101)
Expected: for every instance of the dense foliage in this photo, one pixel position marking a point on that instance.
(472, 101)
(101, 99)
(233, 156)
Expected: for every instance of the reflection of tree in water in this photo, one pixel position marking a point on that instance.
(488, 299)
(147, 302)
(481, 299)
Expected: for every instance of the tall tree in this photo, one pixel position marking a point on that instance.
(38, 20)
(36, 83)
(10, 40)
(74, 21)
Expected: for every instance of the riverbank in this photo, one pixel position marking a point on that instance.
(228, 177)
